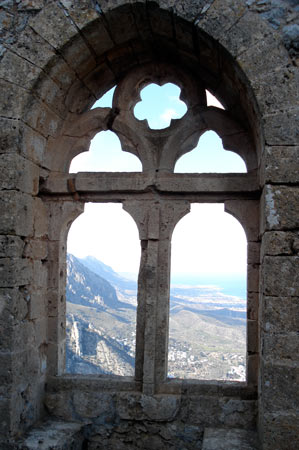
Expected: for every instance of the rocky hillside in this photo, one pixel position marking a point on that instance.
(206, 336)
(100, 327)
(108, 273)
(86, 287)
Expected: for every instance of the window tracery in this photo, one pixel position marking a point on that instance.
(157, 198)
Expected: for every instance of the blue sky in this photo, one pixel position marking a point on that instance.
(205, 241)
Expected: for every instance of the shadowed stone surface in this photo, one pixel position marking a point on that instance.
(224, 439)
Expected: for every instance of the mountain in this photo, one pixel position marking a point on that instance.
(106, 272)
(86, 287)
(207, 327)
(92, 349)
(100, 327)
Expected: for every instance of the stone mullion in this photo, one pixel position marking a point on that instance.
(146, 216)
(150, 288)
(247, 212)
(171, 213)
(156, 221)
(163, 293)
(61, 215)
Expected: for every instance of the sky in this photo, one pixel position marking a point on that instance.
(206, 241)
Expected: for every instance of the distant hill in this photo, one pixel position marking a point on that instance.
(106, 272)
(100, 327)
(206, 336)
(86, 287)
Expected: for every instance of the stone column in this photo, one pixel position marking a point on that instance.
(61, 216)
(247, 213)
(156, 220)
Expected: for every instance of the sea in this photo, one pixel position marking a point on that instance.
(228, 284)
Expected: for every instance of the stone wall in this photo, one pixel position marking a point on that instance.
(56, 59)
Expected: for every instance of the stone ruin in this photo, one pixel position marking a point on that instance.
(56, 59)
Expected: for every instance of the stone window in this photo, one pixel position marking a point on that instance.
(157, 198)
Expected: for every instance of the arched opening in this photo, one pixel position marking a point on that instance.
(89, 80)
(210, 156)
(207, 333)
(159, 105)
(101, 299)
(213, 101)
(106, 100)
(105, 155)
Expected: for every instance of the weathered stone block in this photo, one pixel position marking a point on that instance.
(99, 405)
(34, 249)
(40, 274)
(56, 329)
(282, 128)
(34, 145)
(225, 439)
(143, 407)
(280, 314)
(122, 26)
(279, 243)
(13, 100)
(252, 369)
(42, 119)
(281, 207)
(108, 5)
(240, 36)
(61, 73)
(105, 73)
(16, 213)
(278, 388)
(280, 430)
(238, 413)
(40, 223)
(82, 13)
(10, 133)
(280, 276)
(15, 272)
(252, 336)
(50, 92)
(41, 335)
(161, 22)
(277, 88)
(253, 273)
(18, 337)
(189, 10)
(61, 30)
(62, 215)
(280, 346)
(248, 215)
(13, 305)
(55, 435)
(253, 253)
(281, 164)
(5, 408)
(99, 38)
(37, 305)
(17, 173)
(17, 70)
(217, 17)
(78, 100)
(29, 45)
(6, 374)
(79, 57)
(53, 299)
(11, 246)
(252, 61)
(252, 305)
